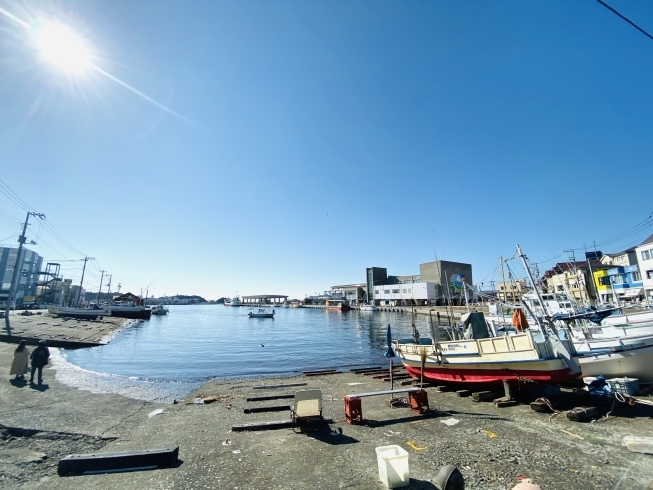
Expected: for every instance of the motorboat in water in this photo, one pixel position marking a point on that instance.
(337, 304)
(159, 310)
(130, 306)
(261, 313)
(366, 307)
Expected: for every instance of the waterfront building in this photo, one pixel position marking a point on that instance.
(580, 281)
(439, 282)
(512, 291)
(645, 257)
(29, 267)
(407, 294)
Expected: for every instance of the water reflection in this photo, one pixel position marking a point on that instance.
(195, 343)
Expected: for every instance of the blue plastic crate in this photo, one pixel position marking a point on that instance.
(625, 386)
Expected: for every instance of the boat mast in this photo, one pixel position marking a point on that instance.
(537, 291)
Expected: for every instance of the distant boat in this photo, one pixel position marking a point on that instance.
(337, 304)
(159, 310)
(261, 313)
(366, 307)
(233, 302)
(83, 313)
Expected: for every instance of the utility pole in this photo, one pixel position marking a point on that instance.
(119, 286)
(97, 299)
(79, 294)
(14, 276)
(109, 288)
(573, 268)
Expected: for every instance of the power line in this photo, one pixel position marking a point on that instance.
(625, 18)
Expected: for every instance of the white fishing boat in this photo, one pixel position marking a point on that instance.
(261, 313)
(233, 302)
(159, 310)
(83, 313)
(630, 360)
(366, 307)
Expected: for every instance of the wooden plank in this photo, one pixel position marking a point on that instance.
(463, 393)
(362, 370)
(281, 396)
(123, 460)
(324, 373)
(485, 396)
(384, 392)
(320, 371)
(582, 414)
(277, 424)
(275, 408)
(274, 387)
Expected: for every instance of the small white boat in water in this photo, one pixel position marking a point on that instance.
(261, 313)
(366, 307)
(159, 310)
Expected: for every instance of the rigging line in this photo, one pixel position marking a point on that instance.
(56, 235)
(625, 18)
(8, 216)
(59, 237)
(636, 228)
(12, 236)
(9, 223)
(25, 206)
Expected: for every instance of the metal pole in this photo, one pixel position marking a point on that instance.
(79, 293)
(97, 298)
(14, 276)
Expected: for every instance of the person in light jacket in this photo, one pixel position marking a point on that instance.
(21, 359)
(39, 358)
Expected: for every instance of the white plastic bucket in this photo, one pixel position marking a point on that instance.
(393, 466)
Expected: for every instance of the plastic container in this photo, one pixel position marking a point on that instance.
(393, 466)
(625, 386)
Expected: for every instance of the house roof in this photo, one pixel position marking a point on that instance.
(648, 240)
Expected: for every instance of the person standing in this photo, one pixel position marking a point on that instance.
(21, 359)
(39, 358)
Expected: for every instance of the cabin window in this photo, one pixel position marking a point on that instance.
(386, 291)
(536, 302)
(396, 291)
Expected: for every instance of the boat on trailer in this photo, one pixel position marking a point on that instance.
(261, 313)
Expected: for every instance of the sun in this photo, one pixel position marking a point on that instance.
(62, 47)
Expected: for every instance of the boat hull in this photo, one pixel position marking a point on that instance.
(636, 362)
(542, 371)
(134, 313)
(83, 313)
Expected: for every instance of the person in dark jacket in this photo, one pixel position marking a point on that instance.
(39, 358)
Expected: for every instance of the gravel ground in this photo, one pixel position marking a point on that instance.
(493, 447)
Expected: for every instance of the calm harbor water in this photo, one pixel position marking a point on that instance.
(196, 343)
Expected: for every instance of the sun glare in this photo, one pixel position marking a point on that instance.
(61, 46)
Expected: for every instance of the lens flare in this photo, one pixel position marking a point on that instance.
(61, 46)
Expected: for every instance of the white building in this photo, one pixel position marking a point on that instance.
(29, 267)
(415, 293)
(645, 257)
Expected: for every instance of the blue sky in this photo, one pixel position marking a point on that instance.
(326, 137)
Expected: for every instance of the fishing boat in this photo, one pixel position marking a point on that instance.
(486, 359)
(261, 313)
(366, 307)
(159, 310)
(233, 302)
(337, 304)
(82, 313)
(130, 306)
(632, 360)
